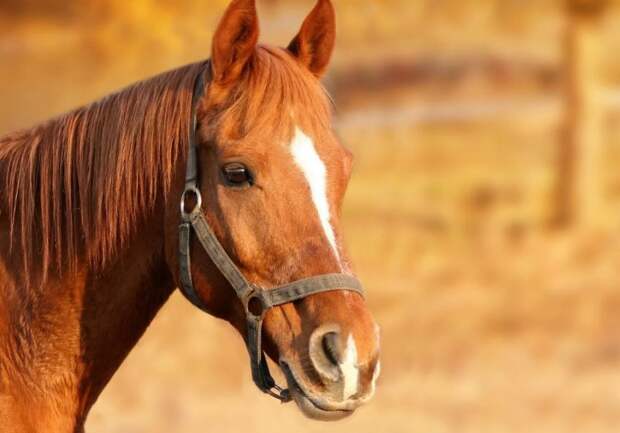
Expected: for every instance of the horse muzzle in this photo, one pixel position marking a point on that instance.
(339, 384)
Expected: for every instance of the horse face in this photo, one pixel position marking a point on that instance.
(273, 177)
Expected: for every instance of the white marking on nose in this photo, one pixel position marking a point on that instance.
(373, 384)
(375, 376)
(313, 168)
(350, 372)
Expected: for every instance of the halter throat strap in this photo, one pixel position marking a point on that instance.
(255, 300)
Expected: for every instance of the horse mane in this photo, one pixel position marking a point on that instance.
(75, 187)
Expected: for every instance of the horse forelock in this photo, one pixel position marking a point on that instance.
(276, 95)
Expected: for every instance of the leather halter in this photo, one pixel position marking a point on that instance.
(256, 301)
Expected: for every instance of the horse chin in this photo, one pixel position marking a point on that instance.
(312, 411)
(309, 406)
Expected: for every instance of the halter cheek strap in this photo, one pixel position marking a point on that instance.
(256, 301)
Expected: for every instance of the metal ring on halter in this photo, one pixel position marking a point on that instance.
(254, 304)
(198, 205)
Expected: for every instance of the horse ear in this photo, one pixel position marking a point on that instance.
(314, 44)
(234, 41)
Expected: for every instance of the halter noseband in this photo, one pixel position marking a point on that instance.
(256, 301)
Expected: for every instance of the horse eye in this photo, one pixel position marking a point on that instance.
(237, 174)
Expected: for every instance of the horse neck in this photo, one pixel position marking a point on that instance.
(61, 343)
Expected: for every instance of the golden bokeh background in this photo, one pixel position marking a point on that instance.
(496, 315)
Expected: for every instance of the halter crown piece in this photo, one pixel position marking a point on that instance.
(261, 300)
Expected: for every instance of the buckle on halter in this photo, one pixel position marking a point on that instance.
(196, 205)
(284, 395)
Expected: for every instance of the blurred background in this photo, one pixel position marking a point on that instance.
(482, 216)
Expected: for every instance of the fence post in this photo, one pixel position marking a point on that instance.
(578, 189)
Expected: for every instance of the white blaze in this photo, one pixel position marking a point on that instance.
(313, 168)
(350, 372)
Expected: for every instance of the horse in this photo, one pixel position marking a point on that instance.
(93, 243)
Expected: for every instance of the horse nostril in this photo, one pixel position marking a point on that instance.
(332, 347)
(326, 352)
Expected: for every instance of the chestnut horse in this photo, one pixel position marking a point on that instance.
(89, 218)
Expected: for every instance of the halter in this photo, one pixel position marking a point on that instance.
(256, 301)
